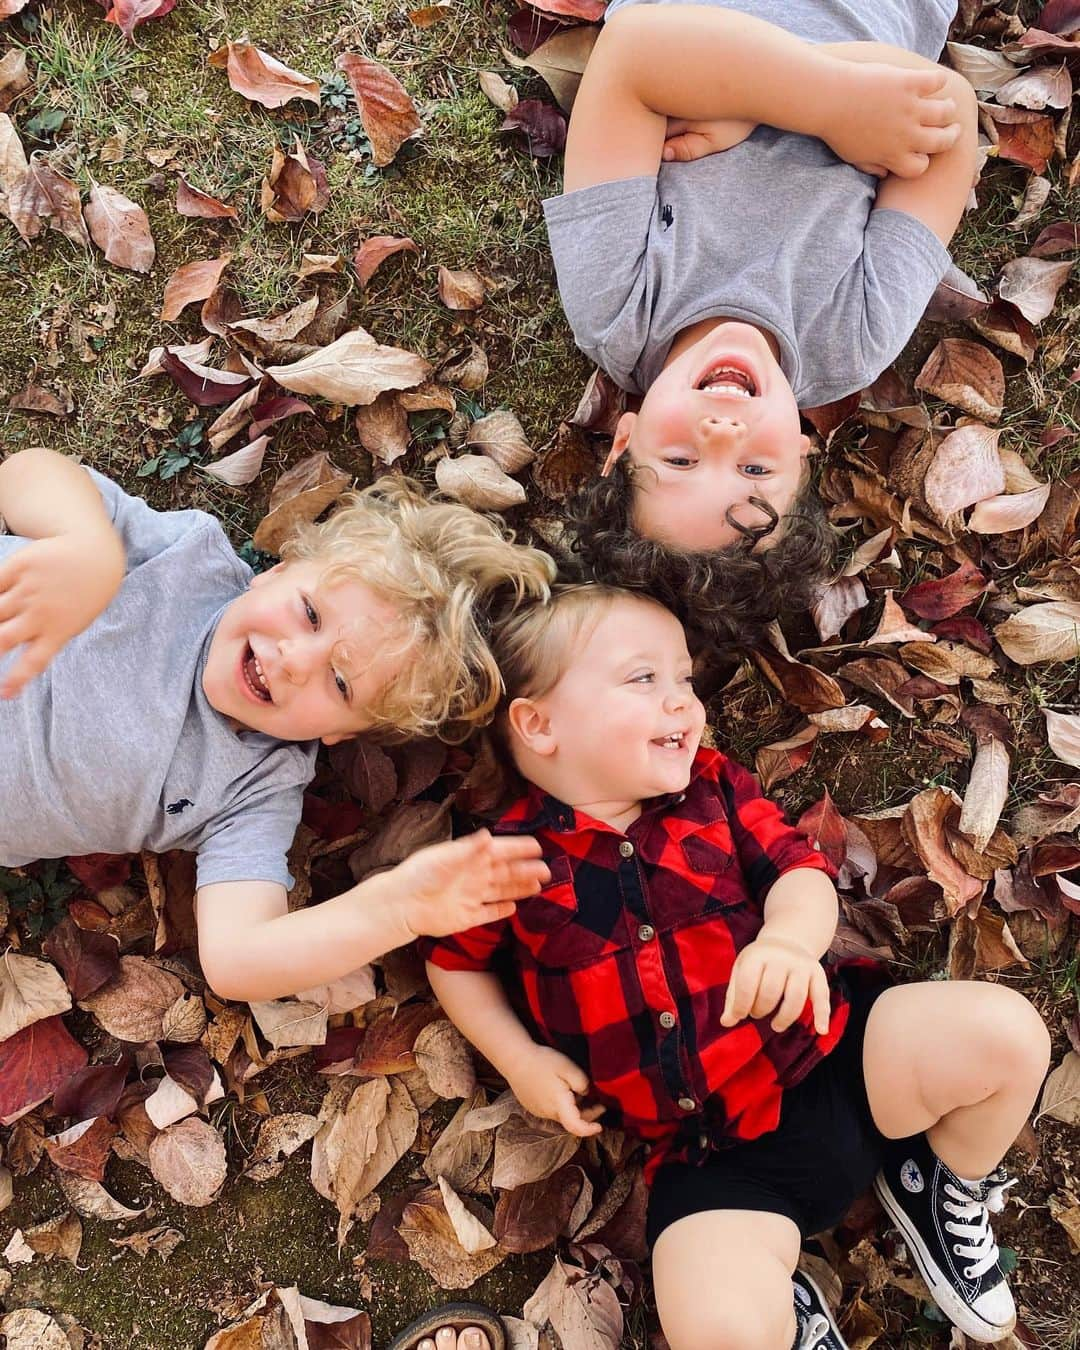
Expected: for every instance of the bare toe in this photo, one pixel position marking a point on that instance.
(474, 1339)
(446, 1339)
(426, 1344)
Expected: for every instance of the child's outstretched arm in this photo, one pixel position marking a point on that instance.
(55, 587)
(698, 63)
(543, 1080)
(251, 948)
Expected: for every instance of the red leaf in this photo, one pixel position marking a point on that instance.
(965, 628)
(368, 772)
(388, 1045)
(542, 126)
(589, 10)
(85, 1156)
(830, 417)
(34, 1063)
(87, 958)
(204, 386)
(94, 1091)
(1030, 143)
(824, 826)
(331, 820)
(128, 14)
(943, 598)
(340, 1047)
(100, 871)
(272, 410)
(1059, 16)
(189, 1065)
(532, 1216)
(192, 201)
(528, 30)
(1061, 237)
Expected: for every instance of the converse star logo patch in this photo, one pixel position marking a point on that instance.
(911, 1178)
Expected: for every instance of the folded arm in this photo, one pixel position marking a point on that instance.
(697, 63)
(56, 586)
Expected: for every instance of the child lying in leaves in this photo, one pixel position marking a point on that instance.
(155, 694)
(672, 979)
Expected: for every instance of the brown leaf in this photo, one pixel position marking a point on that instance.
(924, 829)
(354, 369)
(947, 662)
(390, 1038)
(894, 627)
(965, 469)
(983, 68)
(1025, 142)
(29, 1328)
(242, 466)
(1061, 1092)
(560, 62)
(301, 494)
(541, 127)
(430, 1235)
(133, 1006)
(528, 1149)
(188, 1160)
(372, 253)
(836, 604)
(987, 790)
(1049, 632)
(461, 1154)
(192, 201)
(383, 428)
(30, 990)
(58, 199)
(1038, 88)
(444, 1055)
(262, 78)
(777, 762)
(295, 187)
(584, 1312)
(161, 1239)
(466, 370)
(808, 689)
(34, 1063)
(13, 77)
(60, 1236)
(1032, 284)
(1061, 237)
(469, 1229)
(92, 1200)
(565, 466)
(94, 1091)
(957, 297)
(84, 1148)
(532, 1216)
(1007, 328)
(503, 95)
(966, 375)
(946, 596)
(387, 113)
(289, 1021)
(190, 283)
(501, 437)
(460, 290)
(120, 229)
(1002, 515)
(36, 398)
(478, 481)
(279, 1137)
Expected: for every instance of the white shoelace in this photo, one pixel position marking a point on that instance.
(973, 1213)
(814, 1332)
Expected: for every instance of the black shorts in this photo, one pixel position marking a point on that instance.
(823, 1154)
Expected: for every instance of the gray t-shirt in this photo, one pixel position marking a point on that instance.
(115, 748)
(776, 231)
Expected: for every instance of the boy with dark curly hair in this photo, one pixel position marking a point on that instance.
(753, 220)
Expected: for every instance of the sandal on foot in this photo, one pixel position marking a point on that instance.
(459, 1316)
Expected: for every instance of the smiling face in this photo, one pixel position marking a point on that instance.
(622, 723)
(302, 658)
(718, 426)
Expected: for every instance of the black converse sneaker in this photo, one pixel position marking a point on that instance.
(816, 1328)
(946, 1225)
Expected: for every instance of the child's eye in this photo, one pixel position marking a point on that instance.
(755, 470)
(645, 677)
(679, 461)
(310, 611)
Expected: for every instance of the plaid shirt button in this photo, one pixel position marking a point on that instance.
(687, 1104)
(646, 932)
(626, 848)
(667, 1020)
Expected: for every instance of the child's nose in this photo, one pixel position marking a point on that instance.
(719, 430)
(297, 659)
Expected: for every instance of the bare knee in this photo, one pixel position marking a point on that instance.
(1018, 1034)
(737, 1325)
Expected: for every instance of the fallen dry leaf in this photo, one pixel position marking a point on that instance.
(120, 228)
(132, 1007)
(1063, 736)
(92, 1200)
(14, 79)
(1049, 632)
(776, 762)
(295, 187)
(188, 1160)
(504, 96)
(128, 14)
(372, 252)
(354, 369)
(192, 282)
(985, 69)
(387, 113)
(242, 466)
(560, 62)
(460, 290)
(432, 1240)
(965, 469)
(31, 1329)
(1032, 285)
(501, 437)
(30, 990)
(262, 78)
(478, 481)
(967, 375)
(302, 493)
(192, 201)
(446, 1059)
(383, 428)
(34, 1063)
(584, 1312)
(1061, 1092)
(987, 790)
(35, 398)
(541, 127)
(1002, 515)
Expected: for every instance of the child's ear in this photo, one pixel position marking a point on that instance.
(530, 724)
(623, 431)
(806, 446)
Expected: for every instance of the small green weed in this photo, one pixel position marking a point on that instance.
(179, 455)
(39, 897)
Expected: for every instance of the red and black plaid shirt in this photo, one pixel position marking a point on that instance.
(625, 956)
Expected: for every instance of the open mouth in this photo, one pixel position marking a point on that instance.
(254, 677)
(676, 741)
(729, 381)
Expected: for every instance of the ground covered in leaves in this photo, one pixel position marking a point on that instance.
(253, 252)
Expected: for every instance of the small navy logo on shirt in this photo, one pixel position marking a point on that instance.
(174, 808)
(667, 215)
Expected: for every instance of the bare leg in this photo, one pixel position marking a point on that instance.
(723, 1281)
(961, 1061)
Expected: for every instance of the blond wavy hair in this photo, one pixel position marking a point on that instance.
(442, 566)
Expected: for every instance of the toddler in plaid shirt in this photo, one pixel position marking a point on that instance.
(671, 978)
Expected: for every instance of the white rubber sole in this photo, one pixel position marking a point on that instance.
(959, 1313)
(802, 1275)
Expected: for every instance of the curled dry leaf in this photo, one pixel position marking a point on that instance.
(192, 201)
(584, 1312)
(431, 1236)
(354, 369)
(1061, 1094)
(539, 125)
(924, 829)
(92, 1200)
(120, 229)
(1049, 632)
(372, 252)
(282, 327)
(198, 353)
(503, 95)
(987, 789)
(837, 603)
(966, 468)
(478, 481)
(967, 375)
(188, 1160)
(460, 1154)
(1024, 137)
(133, 1006)
(777, 762)
(1036, 195)
(295, 187)
(288, 1021)
(1001, 515)
(190, 283)
(1042, 87)
(30, 990)
(383, 428)
(1061, 237)
(242, 466)
(84, 1148)
(984, 69)
(128, 14)
(1063, 735)
(14, 79)
(560, 62)
(301, 494)
(468, 1229)
(387, 113)
(444, 1055)
(262, 78)
(460, 290)
(279, 1138)
(1032, 284)
(501, 436)
(204, 385)
(36, 398)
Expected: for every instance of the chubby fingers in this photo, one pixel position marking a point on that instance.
(742, 991)
(33, 659)
(575, 1121)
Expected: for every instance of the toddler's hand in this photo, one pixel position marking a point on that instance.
(548, 1084)
(890, 119)
(49, 592)
(686, 141)
(774, 972)
(477, 879)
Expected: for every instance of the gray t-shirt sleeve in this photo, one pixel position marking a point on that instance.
(250, 842)
(599, 241)
(903, 261)
(145, 532)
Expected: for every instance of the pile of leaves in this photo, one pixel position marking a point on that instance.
(957, 611)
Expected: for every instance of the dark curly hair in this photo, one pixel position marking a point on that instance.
(726, 597)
